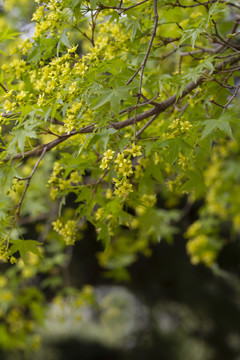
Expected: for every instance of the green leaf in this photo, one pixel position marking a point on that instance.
(195, 182)
(157, 223)
(106, 97)
(24, 247)
(103, 234)
(114, 96)
(212, 124)
(191, 34)
(63, 39)
(94, 3)
(22, 135)
(54, 109)
(174, 149)
(35, 54)
(102, 138)
(155, 171)
(8, 35)
(135, 26)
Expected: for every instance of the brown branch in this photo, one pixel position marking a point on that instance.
(148, 50)
(231, 98)
(150, 44)
(230, 70)
(158, 109)
(201, 50)
(119, 8)
(234, 95)
(235, 26)
(4, 88)
(229, 87)
(85, 35)
(93, 25)
(145, 126)
(161, 107)
(40, 148)
(207, 3)
(50, 145)
(147, 102)
(223, 41)
(214, 102)
(19, 205)
(133, 6)
(163, 57)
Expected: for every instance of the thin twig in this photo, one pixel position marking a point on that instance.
(93, 24)
(146, 126)
(133, 6)
(214, 102)
(224, 42)
(150, 45)
(231, 98)
(85, 35)
(19, 205)
(4, 88)
(119, 8)
(148, 102)
(148, 50)
(207, 3)
(229, 87)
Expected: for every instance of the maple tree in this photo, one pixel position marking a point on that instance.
(111, 113)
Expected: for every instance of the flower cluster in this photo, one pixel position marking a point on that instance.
(71, 117)
(54, 179)
(122, 187)
(61, 80)
(203, 242)
(221, 195)
(124, 170)
(200, 249)
(101, 216)
(179, 127)
(123, 165)
(147, 201)
(48, 18)
(183, 161)
(58, 184)
(16, 189)
(140, 167)
(107, 158)
(68, 230)
(111, 40)
(19, 66)
(4, 252)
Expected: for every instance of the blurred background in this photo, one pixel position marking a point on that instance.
(168, 309)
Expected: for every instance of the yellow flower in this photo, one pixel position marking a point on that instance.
(8, 106)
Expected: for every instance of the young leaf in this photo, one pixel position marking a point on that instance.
(24, 247)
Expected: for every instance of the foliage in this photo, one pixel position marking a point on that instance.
(111, 113)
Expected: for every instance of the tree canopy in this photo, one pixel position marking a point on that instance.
(118, 116)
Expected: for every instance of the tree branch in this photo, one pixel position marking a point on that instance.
(148, 50)
(158, 109)
(119, 8)
(138, 134)
(19, 205)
